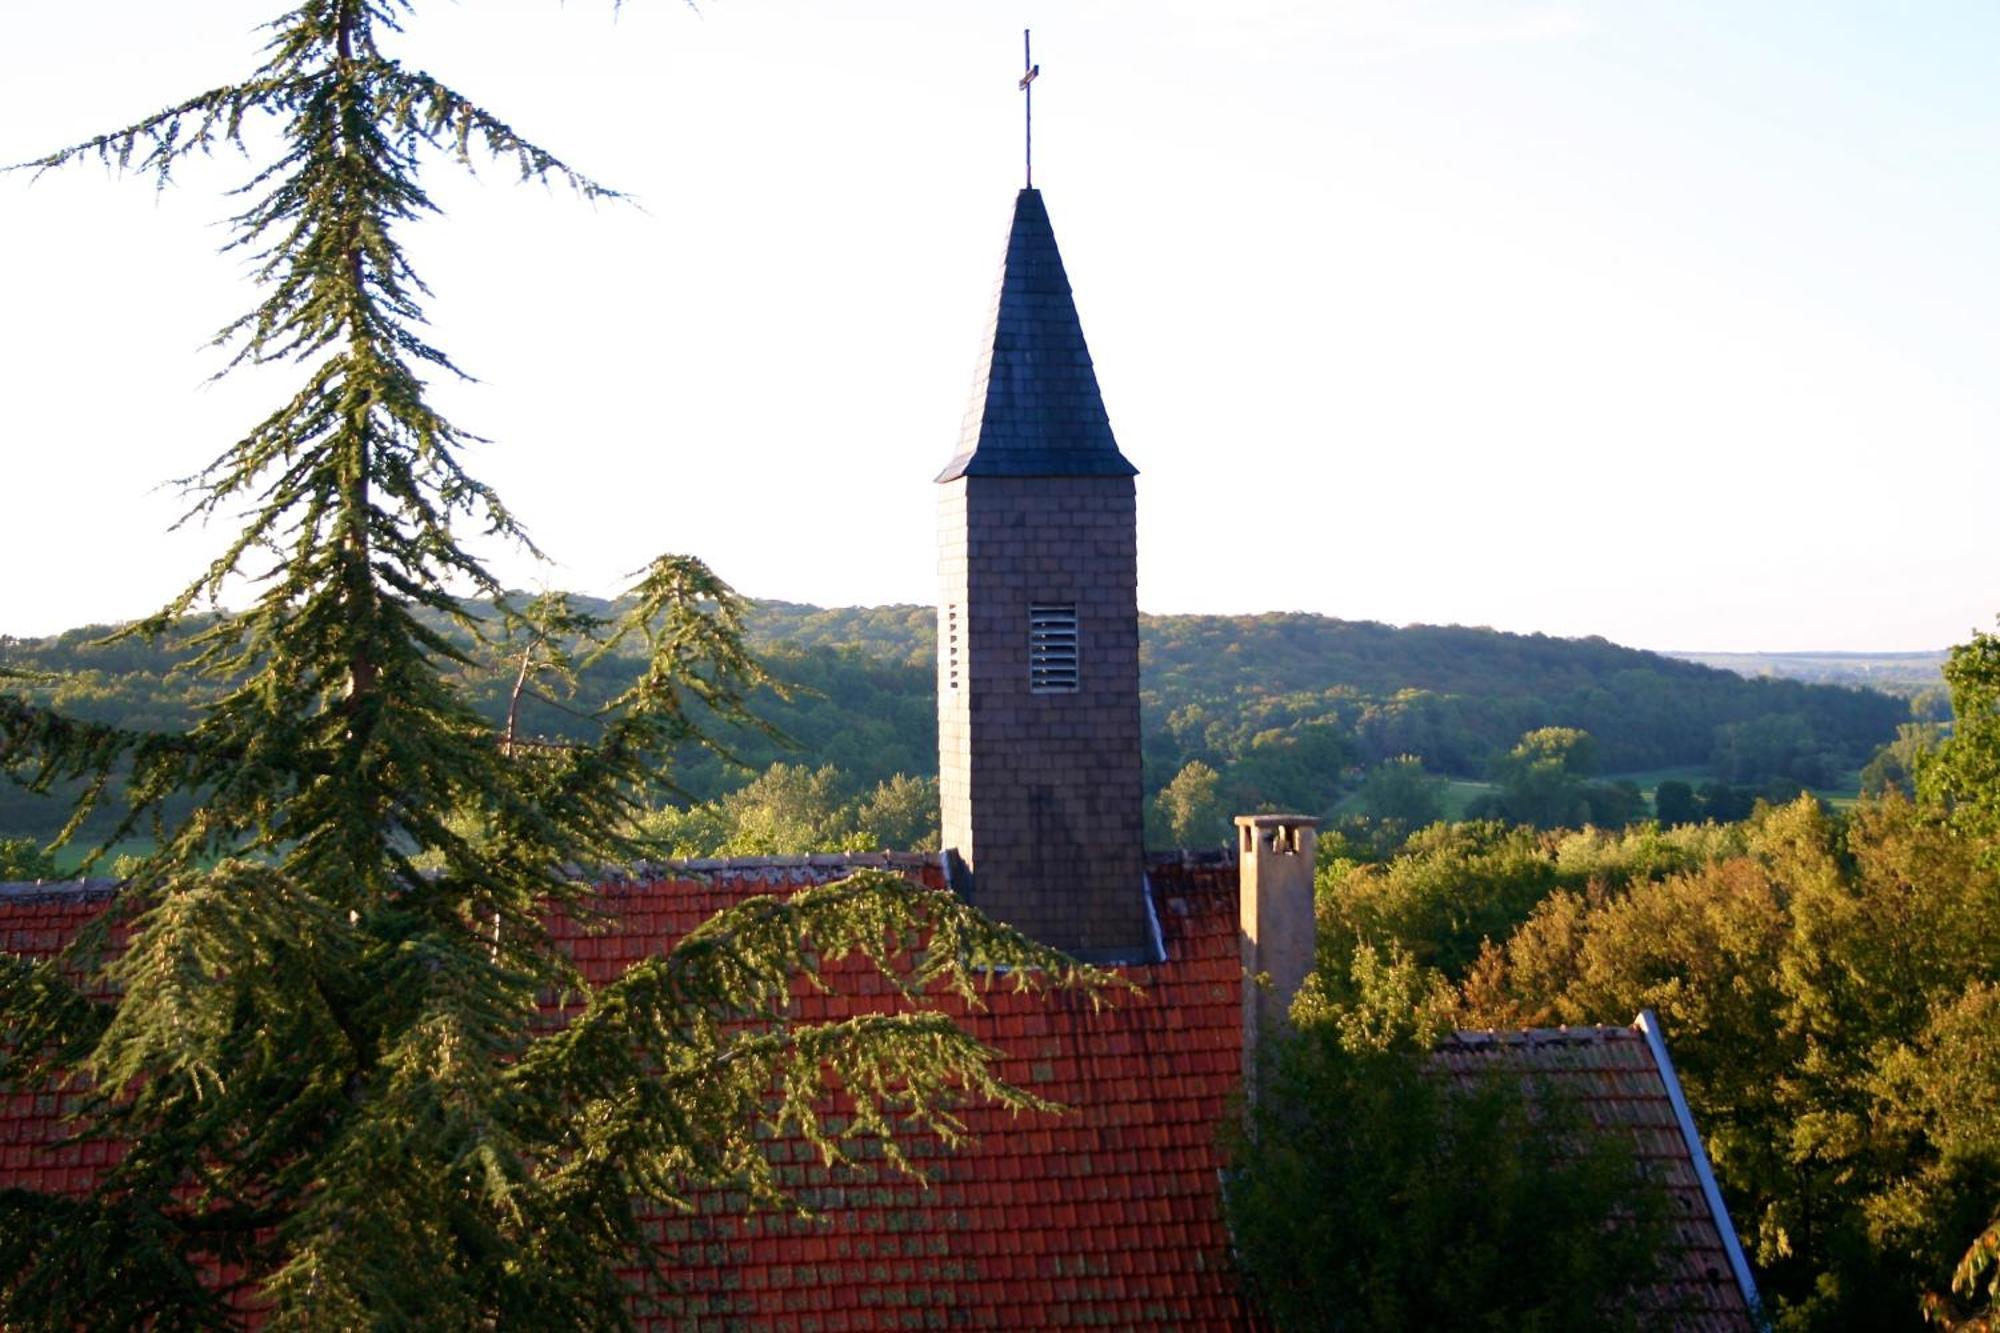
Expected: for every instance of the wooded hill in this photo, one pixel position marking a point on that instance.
(1288, 708)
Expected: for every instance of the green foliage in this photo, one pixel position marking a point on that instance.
(791, 809)
(24, 859)
(1932, 704)
(1976, 1279)
(1396, 799)
(1290, 719)
(900, 815)
(1564, 750)
(904, 635)
(1894, 766)
(1963, 775)
(1938, 1092)
(1777, 745)
(1455, 697)
(1724, 803)
(1542, 779)
(836, 704)
(1831, 990)
(1372, 1192)
(1674, 803)
(1401, 790)
(1378, 1002)
(786, 810)
(1616, 859)
(1190, 811)
(1614, 804)
(1452, 887)
(1542, 784)
(320, 1047)
(1832, 985)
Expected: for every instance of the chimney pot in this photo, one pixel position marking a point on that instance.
(1275, 875)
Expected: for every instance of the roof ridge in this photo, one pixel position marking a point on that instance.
(1193, 856)
(58, 888)
(1562, 1035)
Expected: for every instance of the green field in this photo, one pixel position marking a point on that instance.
(1844, 796)
(1461, 792)
(70, 859)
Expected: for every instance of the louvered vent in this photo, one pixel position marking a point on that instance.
(1052, 647)
(951, 646)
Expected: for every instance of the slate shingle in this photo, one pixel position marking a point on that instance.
(1035, 409)
(1625, 1083)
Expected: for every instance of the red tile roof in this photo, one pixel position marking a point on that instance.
(1107, 1216)
(1624, 1080)
(35, 922)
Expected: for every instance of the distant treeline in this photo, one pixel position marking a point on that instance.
(1284, 705)
(1897, 673)
(1289, 709)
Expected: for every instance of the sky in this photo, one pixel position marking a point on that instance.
(1671, 323)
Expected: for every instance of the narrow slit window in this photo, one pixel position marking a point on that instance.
(1052, 648)
(951, 647)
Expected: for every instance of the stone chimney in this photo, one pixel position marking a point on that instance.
(1275, 870)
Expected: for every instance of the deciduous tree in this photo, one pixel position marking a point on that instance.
(1963, 776)
(1401, 790)
(1190, 810)
(1369, 1193)
(1831, 989)
(23, 858)
(1674, 803)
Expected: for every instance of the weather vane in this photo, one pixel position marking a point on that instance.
(1028, 102)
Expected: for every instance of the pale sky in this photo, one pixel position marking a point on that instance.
(1674, 323)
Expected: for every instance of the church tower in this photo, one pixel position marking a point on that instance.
(1038, 628)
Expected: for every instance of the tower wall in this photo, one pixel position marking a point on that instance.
(1043, 797)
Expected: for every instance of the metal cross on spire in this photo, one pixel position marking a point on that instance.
(1028, 102)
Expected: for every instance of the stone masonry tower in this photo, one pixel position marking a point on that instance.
(1038, 628)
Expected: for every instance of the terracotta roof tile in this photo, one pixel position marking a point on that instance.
(1107, 1216)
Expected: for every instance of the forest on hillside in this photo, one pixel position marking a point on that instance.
(1283, 710)
(1216, 687)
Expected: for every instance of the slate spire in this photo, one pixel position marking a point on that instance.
(1035, 410)
(1041, 781)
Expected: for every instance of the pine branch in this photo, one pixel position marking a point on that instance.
(323, 1045)
(40, 748)
(162, 140)
(46, 1023)
(720, 1007)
